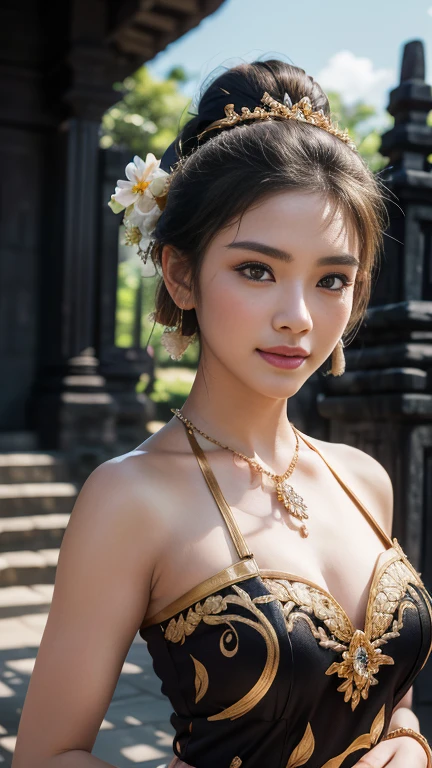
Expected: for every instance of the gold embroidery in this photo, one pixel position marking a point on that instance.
(304, 749)
(236, 762)
(361, 662)
(360, 649)
(365, 741)
(201, 679)
(240, 571)
(208, 612)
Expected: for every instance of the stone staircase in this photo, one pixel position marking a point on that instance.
(36, 499)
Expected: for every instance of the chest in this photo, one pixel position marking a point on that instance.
(339, 554)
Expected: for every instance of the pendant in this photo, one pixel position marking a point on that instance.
(293, 502)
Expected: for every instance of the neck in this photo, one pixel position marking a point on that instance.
(243, 419)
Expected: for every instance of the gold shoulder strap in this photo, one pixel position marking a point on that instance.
(235, 533)
(350, 493)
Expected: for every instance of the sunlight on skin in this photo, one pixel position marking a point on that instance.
(269, 303)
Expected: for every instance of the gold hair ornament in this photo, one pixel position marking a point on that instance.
(302, 110)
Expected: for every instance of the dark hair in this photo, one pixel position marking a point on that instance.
(217, 179)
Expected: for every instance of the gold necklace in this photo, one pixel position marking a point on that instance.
(291, 500)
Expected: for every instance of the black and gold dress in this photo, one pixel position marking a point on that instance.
(264, 669)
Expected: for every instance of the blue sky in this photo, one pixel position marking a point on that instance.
(352, 47)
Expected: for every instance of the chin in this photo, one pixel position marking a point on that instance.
(286, 387)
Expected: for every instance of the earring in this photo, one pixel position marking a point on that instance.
(173, 340)
(338, 360)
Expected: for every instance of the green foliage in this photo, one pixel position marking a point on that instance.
(132, 274)
(354, 118)
(171, 389)
(149, 115)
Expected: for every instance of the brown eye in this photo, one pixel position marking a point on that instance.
(329, 282)
(256, 271)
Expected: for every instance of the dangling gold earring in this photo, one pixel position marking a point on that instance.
(338, 360)
(173, 340)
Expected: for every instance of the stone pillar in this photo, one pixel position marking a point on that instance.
(383, 403)
(71, 408)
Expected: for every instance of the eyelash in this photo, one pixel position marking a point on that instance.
(258, 265)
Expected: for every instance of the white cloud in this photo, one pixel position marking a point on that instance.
(429, 10)
(355, 78)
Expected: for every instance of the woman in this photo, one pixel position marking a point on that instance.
(286, 624)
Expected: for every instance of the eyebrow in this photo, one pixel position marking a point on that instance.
(345, 259)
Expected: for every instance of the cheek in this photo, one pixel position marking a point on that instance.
(328, 310)
(236, 309)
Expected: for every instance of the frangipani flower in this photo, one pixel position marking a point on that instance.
(146, 181)
(142, 197)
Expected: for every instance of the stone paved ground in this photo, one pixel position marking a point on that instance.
(136, 729)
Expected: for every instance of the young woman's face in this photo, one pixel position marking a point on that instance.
(282, 277)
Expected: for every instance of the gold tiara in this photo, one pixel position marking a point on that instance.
(302, 110)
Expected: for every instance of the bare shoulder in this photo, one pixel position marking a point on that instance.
(130, 486)
(366, 476)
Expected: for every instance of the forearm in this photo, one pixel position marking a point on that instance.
(404, 717)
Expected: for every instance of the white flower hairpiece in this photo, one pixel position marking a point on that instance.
(142, 198)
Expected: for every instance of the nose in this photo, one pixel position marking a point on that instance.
(292, 312)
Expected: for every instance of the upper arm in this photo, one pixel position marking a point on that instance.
(100, 597)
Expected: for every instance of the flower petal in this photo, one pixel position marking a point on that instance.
(140, 166)
(124, 184)
(115, 206)
(145, 203)
(151, 160)
(148, 221)
(152, 166)
(131, 172)
(124, 197)
(158, 184)
(134, 216)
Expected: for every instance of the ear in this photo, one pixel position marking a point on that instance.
(176, 276)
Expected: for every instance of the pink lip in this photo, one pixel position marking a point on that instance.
(285, 350)
(287, 357)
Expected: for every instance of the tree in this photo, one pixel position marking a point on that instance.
(354, 119)
(149, 115)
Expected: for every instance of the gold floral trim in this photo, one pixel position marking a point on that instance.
(236, 572)
(360, 649)
(210, 612)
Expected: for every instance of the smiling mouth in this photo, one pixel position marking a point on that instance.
(283, 354)
(281, 360)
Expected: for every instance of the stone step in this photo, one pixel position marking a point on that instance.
(33, 467)
(37, 498)
(28, 567)
(32, 532)
(19, 601)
